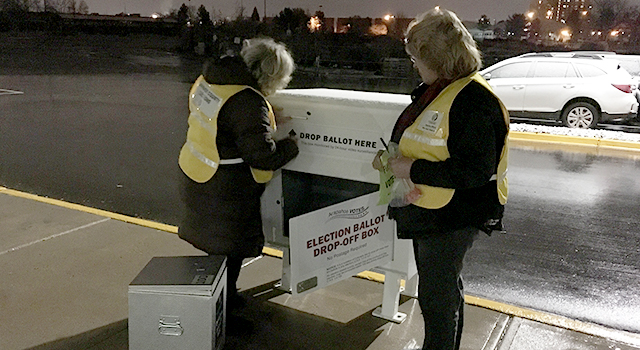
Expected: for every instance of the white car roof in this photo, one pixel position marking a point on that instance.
(608, 64)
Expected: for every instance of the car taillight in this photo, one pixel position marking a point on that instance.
(623, 87)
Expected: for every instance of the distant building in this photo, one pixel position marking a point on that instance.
(560, 10)
(482, 34)
(330, 24)
(344, 25)
(96, 23)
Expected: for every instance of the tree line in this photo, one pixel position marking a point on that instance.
(57, 6)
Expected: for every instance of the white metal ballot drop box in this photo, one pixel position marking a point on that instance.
(322, 208)
(179, 303)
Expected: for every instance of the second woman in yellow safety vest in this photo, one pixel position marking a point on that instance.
(453, 144)
(229, 153)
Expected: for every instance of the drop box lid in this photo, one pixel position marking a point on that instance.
(189, 275)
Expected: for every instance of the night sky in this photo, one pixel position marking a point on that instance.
(466, 9)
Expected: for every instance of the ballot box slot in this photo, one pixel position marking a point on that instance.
(305, 192)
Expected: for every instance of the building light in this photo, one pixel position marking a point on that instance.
(314, 24)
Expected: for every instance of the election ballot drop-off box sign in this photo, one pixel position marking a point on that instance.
(339, 241)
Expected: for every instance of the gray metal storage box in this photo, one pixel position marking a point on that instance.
(179, 303)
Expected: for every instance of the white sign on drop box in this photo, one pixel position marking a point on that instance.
(339, 241)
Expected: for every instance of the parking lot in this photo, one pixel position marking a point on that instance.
(111, 142)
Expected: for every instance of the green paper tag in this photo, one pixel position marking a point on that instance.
(386, 179)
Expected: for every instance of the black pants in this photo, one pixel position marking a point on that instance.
(439, 259)
(234, 264)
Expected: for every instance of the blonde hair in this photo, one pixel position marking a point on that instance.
(270, 63)
(440, 40)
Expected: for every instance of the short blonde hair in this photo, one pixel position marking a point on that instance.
(270, 63)
(440, 40)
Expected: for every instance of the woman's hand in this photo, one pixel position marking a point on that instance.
(401, 167)
(281, 118)
(377, 162)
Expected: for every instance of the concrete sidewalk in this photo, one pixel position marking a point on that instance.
(66, 270)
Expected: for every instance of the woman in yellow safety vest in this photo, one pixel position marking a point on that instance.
(452, 141)
(229, 154)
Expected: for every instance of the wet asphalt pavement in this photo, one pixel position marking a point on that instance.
(111, 142)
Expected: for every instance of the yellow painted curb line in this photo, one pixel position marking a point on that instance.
(538, 316)
(276, 253)
(518, 138)
(556, 320)
(100, 212)
(120, 217)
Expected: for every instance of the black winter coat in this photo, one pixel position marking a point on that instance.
(223, 214)
(477, 132)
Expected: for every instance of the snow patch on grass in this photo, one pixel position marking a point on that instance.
(588, 133)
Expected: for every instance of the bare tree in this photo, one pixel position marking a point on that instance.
(54, 5)
(83, 8)
(240, 12)
(70, 6)
(609, 12)
(19, 5)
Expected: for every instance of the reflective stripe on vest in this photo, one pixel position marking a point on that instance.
(199, 158)
(210, 162)
(427, 138)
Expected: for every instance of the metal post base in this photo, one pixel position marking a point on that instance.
(285, 282)
(390, 298)
(399, 317)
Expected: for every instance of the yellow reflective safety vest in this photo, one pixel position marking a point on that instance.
(199, 158)
(427, 138)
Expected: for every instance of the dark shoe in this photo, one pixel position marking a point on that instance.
(237, 325)
(235, 303)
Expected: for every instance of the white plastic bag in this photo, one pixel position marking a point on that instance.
(403, 191)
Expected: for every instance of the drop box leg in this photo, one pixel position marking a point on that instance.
(390, 299)
(285, 282)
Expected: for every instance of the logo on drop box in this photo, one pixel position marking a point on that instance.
(356, 213)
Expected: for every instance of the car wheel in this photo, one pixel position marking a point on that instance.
(580, 115)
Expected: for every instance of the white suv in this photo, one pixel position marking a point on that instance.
(578, 90)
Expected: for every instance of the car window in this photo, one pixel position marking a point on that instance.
(513, 70)
(553, 70)
(588, 71)
(633, 67)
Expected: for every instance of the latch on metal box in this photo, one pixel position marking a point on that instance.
(170, 325)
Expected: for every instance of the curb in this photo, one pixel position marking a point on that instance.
(520, 138)
(99, 212)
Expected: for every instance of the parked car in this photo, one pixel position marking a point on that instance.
(579, 90)
(631, 63)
